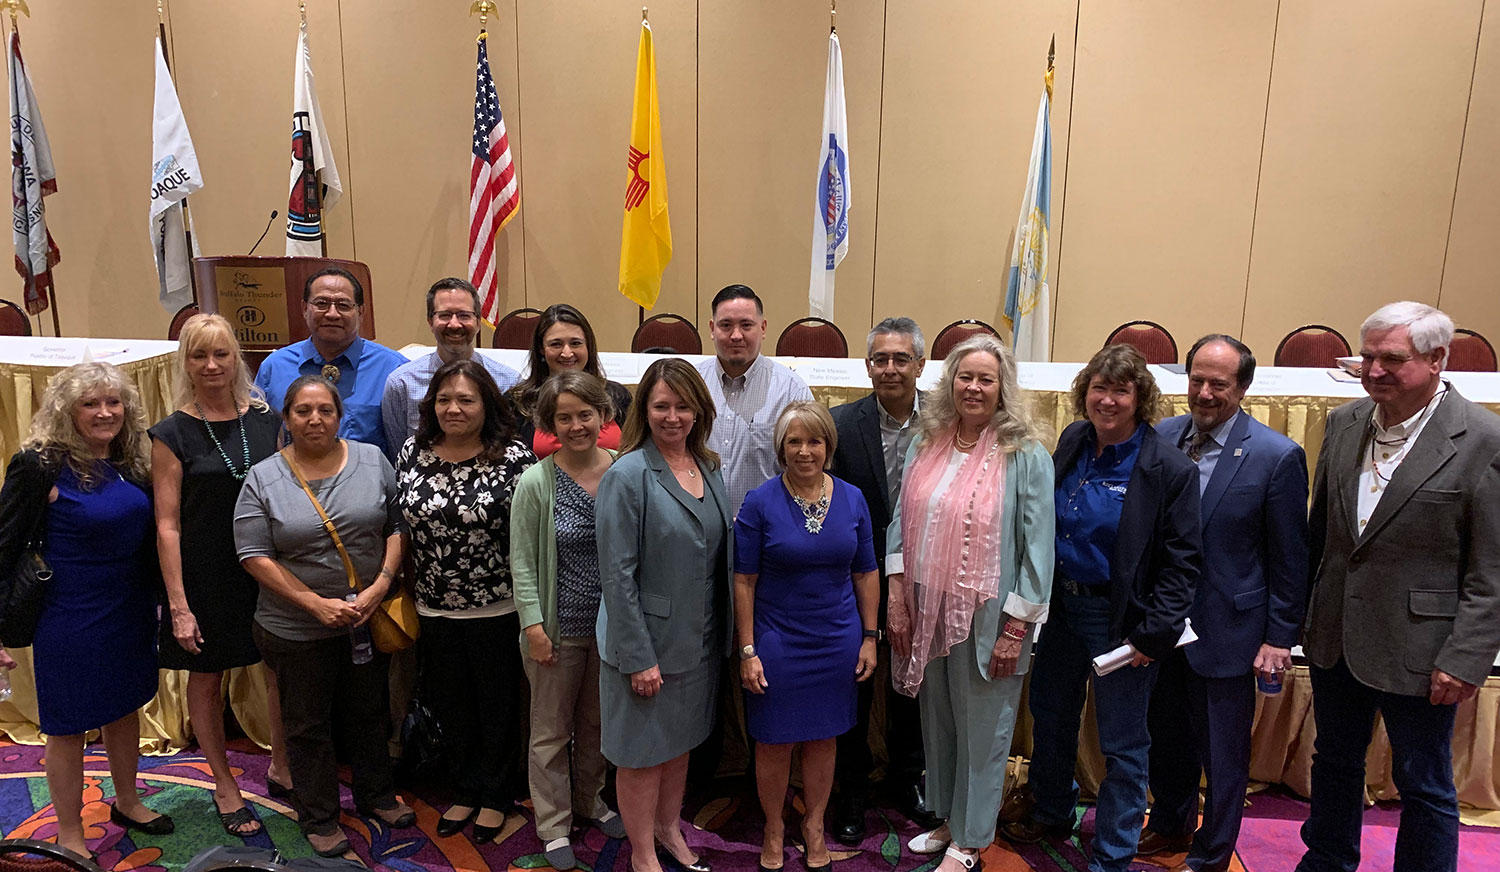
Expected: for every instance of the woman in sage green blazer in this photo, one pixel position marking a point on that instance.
(970, 559)
(665, 552)
(554, 564)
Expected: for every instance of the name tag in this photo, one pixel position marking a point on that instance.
(1116, 488)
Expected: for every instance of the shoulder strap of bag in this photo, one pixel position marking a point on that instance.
(286, 454)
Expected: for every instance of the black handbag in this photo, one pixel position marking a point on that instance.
(27, 585)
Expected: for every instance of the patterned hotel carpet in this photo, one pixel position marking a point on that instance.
(727, 828)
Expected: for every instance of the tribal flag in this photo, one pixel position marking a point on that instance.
(494, 190)
(646, 238)
(1028, 301)
(831, 207)
(31, 178)
(174, 175)
(315, 185)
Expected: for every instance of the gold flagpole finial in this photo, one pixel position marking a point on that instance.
(833, 16)
(1051, 56)
(161, 17)
(302, 11)
(643, 15)
(13, 6)
(482, 8)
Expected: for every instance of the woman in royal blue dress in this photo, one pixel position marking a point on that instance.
(85, 466)
(806, 593)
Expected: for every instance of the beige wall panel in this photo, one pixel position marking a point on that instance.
(1168, 106)
(577, 73)
(1471, 276)
(234, 64)
(1362, 147)
(762, 67)
(98, 118)
(409, 137)
(962, 80)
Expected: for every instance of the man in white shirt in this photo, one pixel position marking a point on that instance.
(1404, 618)
(749, 392)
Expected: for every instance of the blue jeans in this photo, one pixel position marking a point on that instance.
(1421, 748)
(1076, 633)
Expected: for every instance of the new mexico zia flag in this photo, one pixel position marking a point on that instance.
(646, 240)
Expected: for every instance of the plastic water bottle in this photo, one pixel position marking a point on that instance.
(362, 646)
(4, 685)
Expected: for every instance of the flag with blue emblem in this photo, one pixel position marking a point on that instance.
(174, 175)
(831, 209)
(1028, 300)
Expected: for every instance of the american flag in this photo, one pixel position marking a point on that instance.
(494, 190)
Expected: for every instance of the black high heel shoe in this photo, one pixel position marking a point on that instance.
(667, 860)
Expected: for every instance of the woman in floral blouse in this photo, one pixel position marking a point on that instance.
(457, 476)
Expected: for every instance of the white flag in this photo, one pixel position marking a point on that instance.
(315, 183)
(174, 175)
(32, 177)
(1028, 300)
(831, 210)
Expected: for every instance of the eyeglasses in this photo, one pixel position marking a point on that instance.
(323, 304)
(462, 317)
(902, 361)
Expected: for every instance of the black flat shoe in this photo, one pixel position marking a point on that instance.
(485, 835)
(666, 859)
(161, 825)
(826, 867)
(447, 826)
(276, 790)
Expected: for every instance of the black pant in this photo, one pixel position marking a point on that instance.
(903, 742)
(317, 680)
(1200, 726)
(471, 678)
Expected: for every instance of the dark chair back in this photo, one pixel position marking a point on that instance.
(516, 329)
(1471, 352)
(31, 855)
(949, 337)
(812, 337)
(174, 330)
(1313, 345)
(667, 331)
(1149, 338)
(13, 320)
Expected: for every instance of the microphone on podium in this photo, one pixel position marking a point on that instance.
(274, 213)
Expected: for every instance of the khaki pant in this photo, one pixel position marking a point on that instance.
(565, 707)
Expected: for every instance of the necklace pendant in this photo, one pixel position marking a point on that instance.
(814, 525)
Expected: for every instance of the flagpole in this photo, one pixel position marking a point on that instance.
(12, 6)
(187, 232)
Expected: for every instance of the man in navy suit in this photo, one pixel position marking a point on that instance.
(874, 433)
(1247, 611)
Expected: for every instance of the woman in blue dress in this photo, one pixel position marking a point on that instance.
(806, 593)
(86, 466)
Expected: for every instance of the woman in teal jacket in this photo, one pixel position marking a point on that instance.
(555, 566)
(970, 559)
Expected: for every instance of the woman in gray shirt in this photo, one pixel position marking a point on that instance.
(303, 621)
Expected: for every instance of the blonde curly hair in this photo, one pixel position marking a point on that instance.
(1012, 421)
(212, 331)
(53, 431)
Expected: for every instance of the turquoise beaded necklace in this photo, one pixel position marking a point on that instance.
(239, 475)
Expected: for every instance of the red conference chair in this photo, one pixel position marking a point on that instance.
(667, 331)
(1471, 352)
(13, 320)
(949, 337)
(1313, 345)
(516, 329)
(181, 318)
(1149, 338)
(812, 337)
(30, 855)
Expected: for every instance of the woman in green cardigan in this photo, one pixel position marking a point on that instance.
(554, 564)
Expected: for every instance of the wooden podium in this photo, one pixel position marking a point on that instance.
(262, 296)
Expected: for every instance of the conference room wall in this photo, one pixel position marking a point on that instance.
(1358, 196)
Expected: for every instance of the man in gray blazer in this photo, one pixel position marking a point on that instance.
(1404, 617)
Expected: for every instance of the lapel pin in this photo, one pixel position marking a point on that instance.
(1238, 452)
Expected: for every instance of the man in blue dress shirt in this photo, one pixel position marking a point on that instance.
(453, 315)
(333, 303)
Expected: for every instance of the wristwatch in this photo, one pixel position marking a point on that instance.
(874, 634)
(747, 652)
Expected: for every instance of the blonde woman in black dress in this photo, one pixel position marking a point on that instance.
(200, 455)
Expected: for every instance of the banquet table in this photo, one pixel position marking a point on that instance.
(1293, 401)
